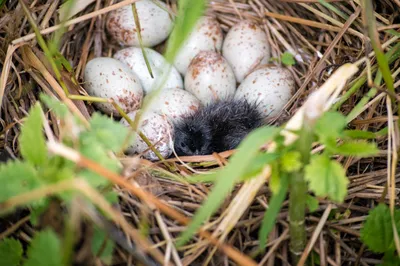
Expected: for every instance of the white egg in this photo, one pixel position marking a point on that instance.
(245, 47)
(133, 57)
(210, 78)
(206, 36)
(175, 104)
(155, 23)
(109, 78)
(270, 87)
(157, 129)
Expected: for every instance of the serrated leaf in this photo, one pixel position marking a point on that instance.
(106, 132)
(44, 250)
(32, 141)
(17, 177)
(377, 232)
(291, 161)
(353, 148)
(10, 252)
(103, 245)
(288, 59)
(330, 126)
(228, 176)
(272, 212)
(92, 150)
(359, 134)
(312, 203)
(326, 178)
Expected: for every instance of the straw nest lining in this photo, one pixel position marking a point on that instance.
(320, 38)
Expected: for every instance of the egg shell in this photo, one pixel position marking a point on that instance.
(155, 24)
(206, 36)
(210, 78)
(109, 78)
(133, 57)
(175, 104)
(157, 129)
(270, 87)
(245, 47)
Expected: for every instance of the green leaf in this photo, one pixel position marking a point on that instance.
(330, 126)
(390, 259)
(10, 252)
(102, 245)
(228, 176)
(359, 134)
(272, 212)
(275, 178)
(44, 250)
(377, 232)
(291, 161)
(17, 177)
(92, 150)
(188, 13)
(32, 141)
(59, 108)
(353, 148)
(106, 132)
(259, 163)
(312, 203)
(288, 59)
(326, 178)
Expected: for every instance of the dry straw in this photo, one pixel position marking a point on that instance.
(329, 43)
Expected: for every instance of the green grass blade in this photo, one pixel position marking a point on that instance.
(272, 212)
(139, 34)
(228, 176)
(380, 56)
(188, 14)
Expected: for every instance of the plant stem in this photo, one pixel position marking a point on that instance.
(298, 196)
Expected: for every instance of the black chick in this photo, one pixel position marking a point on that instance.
(217, 127)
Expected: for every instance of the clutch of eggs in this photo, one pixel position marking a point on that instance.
(211, 67)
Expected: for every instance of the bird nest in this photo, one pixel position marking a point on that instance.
(159, 200)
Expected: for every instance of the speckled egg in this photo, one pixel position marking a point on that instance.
(155, 23)
(206, 36)
(133, 57)
(157, 129)
(175, 104)
(245, 48)
(210, 78)
(109, 78)
(271, 87)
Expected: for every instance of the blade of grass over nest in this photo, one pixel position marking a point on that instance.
(380, 56)
(274, 208)
(65, 12)
(44, 46)
(139, 34)
(188, 13)
(228, 176)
